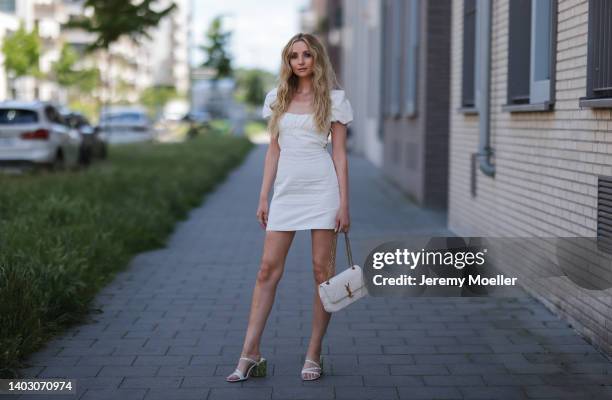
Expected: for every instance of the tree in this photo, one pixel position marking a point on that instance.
(67, 75)
(216, 50)
(112, 19)
(251, 84)
(155, 98)
(21, 54)
(255, 93)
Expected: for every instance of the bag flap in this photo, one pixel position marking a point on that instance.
(348, 281)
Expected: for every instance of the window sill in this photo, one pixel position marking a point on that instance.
(468, 110)
(544, 106)
(595, 103)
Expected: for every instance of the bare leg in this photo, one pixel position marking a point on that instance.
(276, 248)
(323, 261)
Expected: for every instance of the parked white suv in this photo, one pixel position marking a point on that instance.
(35, 133)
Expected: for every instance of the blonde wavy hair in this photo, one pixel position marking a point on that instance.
(323, 81)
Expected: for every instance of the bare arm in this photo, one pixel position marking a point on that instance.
(270, 166)
(341, 165)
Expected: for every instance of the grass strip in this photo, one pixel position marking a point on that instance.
(64, 236)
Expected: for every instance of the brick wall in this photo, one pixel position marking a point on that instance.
(547, 163)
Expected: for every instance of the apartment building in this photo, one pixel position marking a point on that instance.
(396, 57)
(126, 69)
(531, 143)
(9, 23)
(169, 48)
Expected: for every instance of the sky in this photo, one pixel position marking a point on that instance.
(260, 29)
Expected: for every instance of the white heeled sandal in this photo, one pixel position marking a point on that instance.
(317, 371)
(257, 369)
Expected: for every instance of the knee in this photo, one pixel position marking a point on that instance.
(321, 272)
(268, 272)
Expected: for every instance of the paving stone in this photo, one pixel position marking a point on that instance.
(120, 394)
(178, 394)
(119, 370)
(240, 394)
(366, 393)
(428, 393)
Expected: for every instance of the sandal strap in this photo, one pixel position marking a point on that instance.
(238, 373)
(311, 369)
(314, 362)
(249, 359)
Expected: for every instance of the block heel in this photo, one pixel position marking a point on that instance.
(261, 369)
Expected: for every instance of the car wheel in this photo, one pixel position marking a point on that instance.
(85, 156)
(58, 163)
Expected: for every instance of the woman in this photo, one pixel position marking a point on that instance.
(310, 189)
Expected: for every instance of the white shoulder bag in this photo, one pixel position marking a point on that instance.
(344, 288)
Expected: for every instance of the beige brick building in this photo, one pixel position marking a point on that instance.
(548, 155)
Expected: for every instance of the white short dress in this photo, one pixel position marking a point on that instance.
(306, 191)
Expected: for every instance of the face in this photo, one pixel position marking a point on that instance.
(301, 59)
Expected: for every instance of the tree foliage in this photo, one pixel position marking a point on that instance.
(112, 19)
(251, 84)
(155, 98)
(22, 52)
(217, 56)
(67, 75)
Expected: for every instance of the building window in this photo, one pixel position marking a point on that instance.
(337, 17)
(411, 53)
(396, 56)
(599, 57)
(531, 55)
(386, 55)
(7, 6)
(392, 42)
(469, 54)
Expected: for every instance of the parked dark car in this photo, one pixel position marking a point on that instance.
(94, 145)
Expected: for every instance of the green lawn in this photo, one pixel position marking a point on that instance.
(63, 236)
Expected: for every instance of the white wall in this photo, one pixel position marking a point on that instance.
(361, 72)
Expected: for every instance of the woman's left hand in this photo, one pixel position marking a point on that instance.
(342, 220)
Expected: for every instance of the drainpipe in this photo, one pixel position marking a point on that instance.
(485, 151)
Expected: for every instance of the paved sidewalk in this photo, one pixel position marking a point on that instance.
(173, 323)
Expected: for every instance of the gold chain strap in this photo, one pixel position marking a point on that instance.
(332, 262)
(331, 268)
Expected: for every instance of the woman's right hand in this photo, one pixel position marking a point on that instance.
(262, 213)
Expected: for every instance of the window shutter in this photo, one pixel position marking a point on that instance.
(396, 56)
(469, 54)
(519, 53)
(599, 75)
(412, 57)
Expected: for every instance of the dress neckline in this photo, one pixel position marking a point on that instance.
(287, 112)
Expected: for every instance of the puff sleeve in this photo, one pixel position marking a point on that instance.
(266, 111)
(341, 107)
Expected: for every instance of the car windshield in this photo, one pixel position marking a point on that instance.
(17, 116)
(123, 117)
